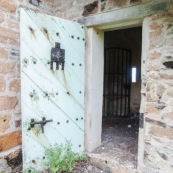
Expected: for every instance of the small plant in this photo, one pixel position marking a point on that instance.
(61, 158)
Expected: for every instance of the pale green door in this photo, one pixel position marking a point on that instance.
(52, 81)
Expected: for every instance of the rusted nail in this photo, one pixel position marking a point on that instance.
(31, 29)
(45, 30)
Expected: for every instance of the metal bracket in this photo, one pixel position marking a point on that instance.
(57, 56)
(141, 120)
(35, 2)
(42, 123)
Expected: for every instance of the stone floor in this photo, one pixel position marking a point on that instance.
(119, 145)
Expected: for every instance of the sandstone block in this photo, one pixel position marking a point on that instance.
(162, 132)
(155, 55)
(9, 6)
(150, 108)
(155, 25)
(7, 103)
(170, 92)
(7, 67)
(10, 140)
(15, 85)
(2, 83)
(4, 122)
(3, 53)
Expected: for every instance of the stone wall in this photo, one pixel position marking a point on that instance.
(73, 9)
(10, 110)
(159, 81)
(159, 94)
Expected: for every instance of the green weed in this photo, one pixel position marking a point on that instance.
(61, 158)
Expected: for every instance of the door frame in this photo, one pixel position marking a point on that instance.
(96, 26)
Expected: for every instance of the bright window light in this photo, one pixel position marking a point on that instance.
(133, 74)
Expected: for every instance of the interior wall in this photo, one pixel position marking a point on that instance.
(130, 39)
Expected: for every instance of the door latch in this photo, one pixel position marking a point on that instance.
(42, 123)
(57, 56)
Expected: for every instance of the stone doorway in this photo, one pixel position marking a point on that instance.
(119, 131)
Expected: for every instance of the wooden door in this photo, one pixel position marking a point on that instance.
(52, 85)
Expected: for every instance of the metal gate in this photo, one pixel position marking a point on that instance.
(117, 83)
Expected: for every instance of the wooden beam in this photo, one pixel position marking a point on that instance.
(133, 15)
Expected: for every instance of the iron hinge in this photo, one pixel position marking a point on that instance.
(141, 120)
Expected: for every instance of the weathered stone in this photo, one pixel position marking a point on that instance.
(18, 123)
(154, 55)
(4, 122)
(2, 83)
(90, 8)
(155, 39)
(14, 159)
(2, 17)
(5, 33)
(9, 6)
(3, 53)
(151, 96)
(160, 90)
(103, 6)
(15, 85)
(152, 121)
(153, 75)
(153, 67)
(160, 105)
(7, 103)
(7, 67)
(150, 108)
(152, 91)
(166, 75)
(170, 92)
(163, 132)
(156, 25)
(10, 140)
(168, 117)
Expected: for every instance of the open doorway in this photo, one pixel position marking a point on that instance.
(121, 96)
